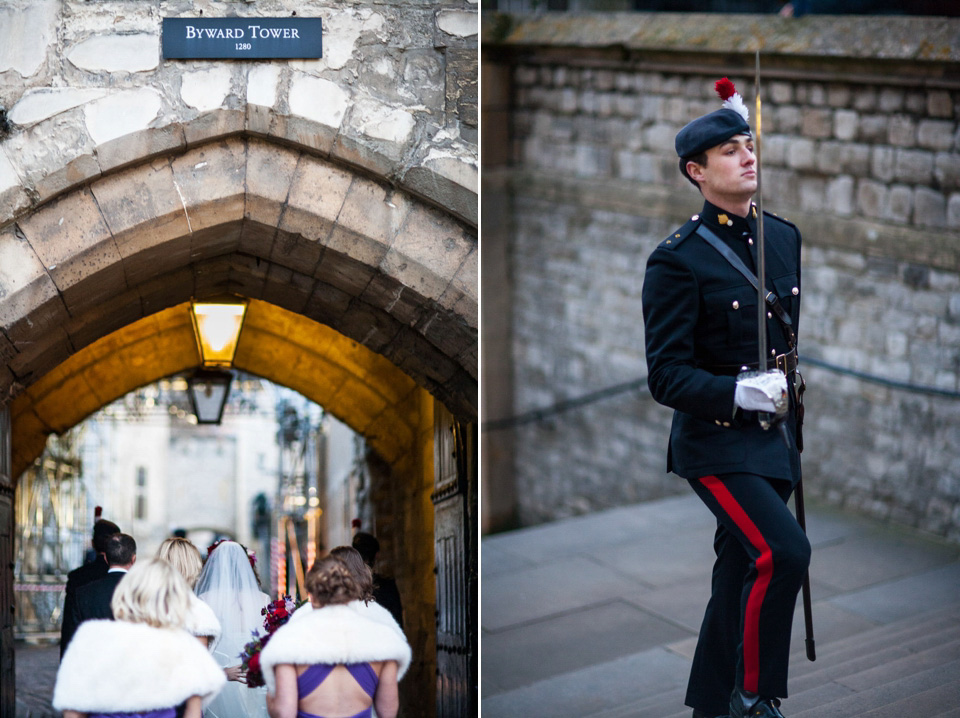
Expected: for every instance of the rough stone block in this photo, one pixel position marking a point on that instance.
(839, 95)
(865, 99)
(369, 220)
(462, 296)
(121, 113)
(840, 195)
(915, 166)
(902, 131)
(146, 215)
(882, 162)
(890, 99)
(788, 120)
(930, 208)
(268, 176)
(74, 243)
(287, 288)
(915, 101)
(316, 196)
(76, 172)
(953, 211)
(939, 104)
(781, 93)
(899, 204)
(451, 180)
(936, 134)
(139, 147)
(206, 89)
(24, 283)
(845, 124)
(138, 52)
(427, 252)
(817, 122)
(871, 198)
(214, 125)
(873, 128)
(210, 183)
(801, 154)
(813, 194)
(13, 195)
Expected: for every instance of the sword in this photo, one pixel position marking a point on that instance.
(809, 641)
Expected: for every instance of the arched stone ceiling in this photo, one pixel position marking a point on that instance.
(247, 216)
(361, 388)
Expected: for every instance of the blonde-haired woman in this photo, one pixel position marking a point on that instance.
(143, 663)
(185, 558)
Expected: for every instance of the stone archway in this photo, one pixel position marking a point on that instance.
(372, 290)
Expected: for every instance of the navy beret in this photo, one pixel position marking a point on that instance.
(709, 131)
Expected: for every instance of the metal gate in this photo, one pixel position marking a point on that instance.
(455, 524)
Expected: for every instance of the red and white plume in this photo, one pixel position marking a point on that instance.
(731, 98)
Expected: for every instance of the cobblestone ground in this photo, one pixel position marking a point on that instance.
(36, 673)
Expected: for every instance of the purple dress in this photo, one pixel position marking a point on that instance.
(310, 679)
(162, 713)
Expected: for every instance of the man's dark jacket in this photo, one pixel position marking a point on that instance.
(93, 600)
(88, 573)
(700, 325)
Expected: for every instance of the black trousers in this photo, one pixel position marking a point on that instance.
(762, 556)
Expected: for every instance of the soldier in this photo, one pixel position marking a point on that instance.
(701, 326)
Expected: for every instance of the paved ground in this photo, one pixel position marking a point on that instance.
(598, 615)
(36, 673)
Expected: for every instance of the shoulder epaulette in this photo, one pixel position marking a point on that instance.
(675, 239)
(777, 217)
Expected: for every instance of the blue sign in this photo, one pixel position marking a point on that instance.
(241, 38)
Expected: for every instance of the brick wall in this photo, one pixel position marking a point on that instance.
(861, 152)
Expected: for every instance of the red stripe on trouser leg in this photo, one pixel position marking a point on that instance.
(764, 564)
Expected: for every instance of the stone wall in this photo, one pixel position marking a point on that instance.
(394, 93)
(860, 150)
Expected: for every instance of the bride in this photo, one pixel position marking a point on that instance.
(229, 585)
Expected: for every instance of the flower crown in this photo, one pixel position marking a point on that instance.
(251, 555)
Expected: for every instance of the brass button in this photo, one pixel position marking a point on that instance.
(769, 315)
(773, 352)
(736, 304)
(695, 217)
(726, 423)
(677, 236)
(750, 241)
(795, 291)
(744, 368)
(717, 422)
(669, 241)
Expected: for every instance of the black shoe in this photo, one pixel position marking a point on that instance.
(701, 714)
(743, 705)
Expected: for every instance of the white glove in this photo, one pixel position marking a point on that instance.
(762, 391)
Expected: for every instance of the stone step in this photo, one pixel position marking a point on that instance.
(831, 669)
(877, 638)
(861, 664)
(923, 687)
(654, 706)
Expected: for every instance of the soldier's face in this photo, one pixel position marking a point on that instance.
(731, 170)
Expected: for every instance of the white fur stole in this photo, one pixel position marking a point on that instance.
(123, 667)
(336, 635)
(201, 621)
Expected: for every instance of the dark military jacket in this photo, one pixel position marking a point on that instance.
(700, 325)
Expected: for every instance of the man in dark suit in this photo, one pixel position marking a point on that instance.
(701, 332)
(87, 573)
(385, 591)
(93, 599)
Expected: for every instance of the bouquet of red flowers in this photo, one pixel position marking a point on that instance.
(277, 613)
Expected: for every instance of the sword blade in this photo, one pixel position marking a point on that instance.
(761, 259)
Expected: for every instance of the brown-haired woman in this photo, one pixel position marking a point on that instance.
(334, 660)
